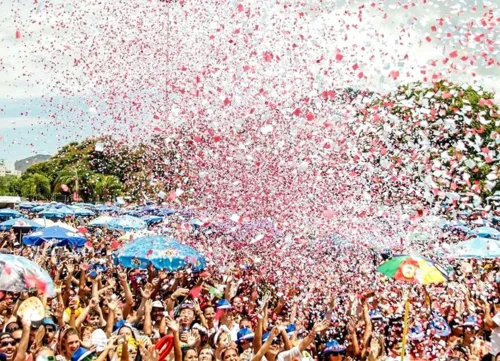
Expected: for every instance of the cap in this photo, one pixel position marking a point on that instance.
(470, 321)
(438, 324)
(333, 346)
(80, 354)
(290, 329)
(158, 304)
(223, 305)
(244, 334)
(47, 321)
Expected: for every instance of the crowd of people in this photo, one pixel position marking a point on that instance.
(264, 300)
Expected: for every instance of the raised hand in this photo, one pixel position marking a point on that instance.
(172, 324)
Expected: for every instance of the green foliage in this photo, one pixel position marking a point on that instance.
(434, 140)
(36, 186)
(10, 185)
(120, 169)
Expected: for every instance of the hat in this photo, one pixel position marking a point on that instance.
(416, 333)
(99, 340)
(244, 334)
(223, 305)
(47, 321)
(375, 315)
(158, 304)
(290, 329)
(470, 321)
(441, 327)
(80, 354)
(333, 346)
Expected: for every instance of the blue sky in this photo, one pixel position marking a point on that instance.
(26, 130)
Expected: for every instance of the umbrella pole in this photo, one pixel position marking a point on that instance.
(405, 329)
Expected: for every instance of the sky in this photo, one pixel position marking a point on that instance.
(47, 101)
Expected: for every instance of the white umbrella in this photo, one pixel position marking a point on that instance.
(43, 222)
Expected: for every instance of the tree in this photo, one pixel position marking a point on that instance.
(105, 187)
(36, 186)
(435, 143)
(10, 185)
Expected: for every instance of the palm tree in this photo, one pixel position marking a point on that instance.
(71, 176)
(36, 186)
(108, 187)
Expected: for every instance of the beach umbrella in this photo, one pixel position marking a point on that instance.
(103, 208)
(26, 205)
(18, 274)
(162, 252)
(152, 219)
(100, 221)
(19, 223)
(7, 213)
(43, 222)
(414, 269)
(83, 212)
(61, 236)
(477, 248)
(127, 223)
(39, 208)
(485, 232)
(165, 212)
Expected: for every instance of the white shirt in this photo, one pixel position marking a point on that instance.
(495, 336)
(294, 352)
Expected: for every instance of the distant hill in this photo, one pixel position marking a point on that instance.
(23, 164)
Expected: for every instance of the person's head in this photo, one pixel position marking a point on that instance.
(8, 346)
(118, 314)
(126, 331)
(16, 335)
(189, 354)
(209, 313)
(206, 354)
(11, 327)
(94, 319)
(237, 304)
(245, 323)
(50, 330)
(334, 351)
(70, 341)
(157, 311)
(186, 315)
(230, 354)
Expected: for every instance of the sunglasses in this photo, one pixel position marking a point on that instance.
(50, 329)
(7, 343)
(12, 329)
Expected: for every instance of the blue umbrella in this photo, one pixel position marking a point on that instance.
(127, 223)
(102, 208)
(485, 232)
(150, 208)
(151, 219)
(100, 221)
(477, 248)
(19, 223)
(18, 274)
(63, 235)
(39, 208)
(161, 251)
(165, 212)
(26, 205)
(9, 213)
(83, 212)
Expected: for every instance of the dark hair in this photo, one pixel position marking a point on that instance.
(185, 351)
